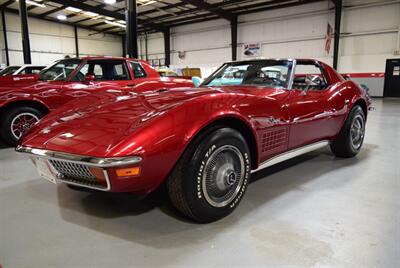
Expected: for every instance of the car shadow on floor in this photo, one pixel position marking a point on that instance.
(150, 220)
(3, 145)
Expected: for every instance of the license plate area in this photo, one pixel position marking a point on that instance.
(45, 171)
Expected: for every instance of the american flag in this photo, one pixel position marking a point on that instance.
(329, 36)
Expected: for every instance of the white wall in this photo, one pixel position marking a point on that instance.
(370, 34)
(52, 41)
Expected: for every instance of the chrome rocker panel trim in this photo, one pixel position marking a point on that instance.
(80, 159)
(291, 154)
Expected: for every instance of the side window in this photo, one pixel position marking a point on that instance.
(104, 71)
(120, 72)
(138, 70)
(98, 72)
(309, 77)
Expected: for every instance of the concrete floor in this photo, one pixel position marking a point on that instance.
(313, 211)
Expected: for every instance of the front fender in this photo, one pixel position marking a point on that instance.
(162, 141)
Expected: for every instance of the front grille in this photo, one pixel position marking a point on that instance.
(75, 173)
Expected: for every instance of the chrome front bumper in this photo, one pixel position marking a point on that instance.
(75, 169)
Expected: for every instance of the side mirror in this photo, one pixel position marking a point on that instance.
(89, 78)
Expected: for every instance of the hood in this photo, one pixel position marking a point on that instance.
(95, 124)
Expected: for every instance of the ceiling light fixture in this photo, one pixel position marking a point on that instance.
(145, 3)
(91, 14)
(74, 9)
(61, 17)
(29, 2)
(115, 23)
(110, 2)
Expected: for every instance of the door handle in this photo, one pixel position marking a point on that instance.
(131, 85)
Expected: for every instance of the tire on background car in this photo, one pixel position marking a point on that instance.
(24, 117)
(212, 175)
(351, 137)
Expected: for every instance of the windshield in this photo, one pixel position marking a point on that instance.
(59, 71)
(9, 70)
(265, 73)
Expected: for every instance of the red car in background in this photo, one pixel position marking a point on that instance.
(24, 102)
(205, 142)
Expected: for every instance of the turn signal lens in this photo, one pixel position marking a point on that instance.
(128, 172)
(99, 174)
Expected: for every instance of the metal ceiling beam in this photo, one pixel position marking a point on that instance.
(105, 12)
(6, 4)
(37, 16)
(210, 8)
(44, 14)
(268, 7)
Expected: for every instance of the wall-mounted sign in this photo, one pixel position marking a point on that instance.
(182, 55)
(252, 49)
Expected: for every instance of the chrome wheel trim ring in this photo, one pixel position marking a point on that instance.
(357, 132)
(22, 122)
(223, 176)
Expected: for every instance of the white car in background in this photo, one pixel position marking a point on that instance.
(23, 69)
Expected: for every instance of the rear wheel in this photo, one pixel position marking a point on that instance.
(16, 121)
(211, 177)
(351, 137)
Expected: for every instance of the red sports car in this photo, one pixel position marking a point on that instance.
(203, 143)
(26, 99)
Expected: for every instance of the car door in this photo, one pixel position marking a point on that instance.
(108, 74)
(311, 111)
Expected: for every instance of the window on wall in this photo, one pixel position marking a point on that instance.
(138, 71)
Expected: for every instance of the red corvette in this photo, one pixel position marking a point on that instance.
(26, 99)
(203, 143)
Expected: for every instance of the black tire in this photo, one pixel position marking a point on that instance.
(7, 119)
(211, 163)
(344, 145)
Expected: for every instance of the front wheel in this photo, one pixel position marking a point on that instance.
(211, 177)
(15, 122)
(351, 137)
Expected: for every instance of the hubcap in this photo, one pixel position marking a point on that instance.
(21, 123)
(223, 176)
(357, 132)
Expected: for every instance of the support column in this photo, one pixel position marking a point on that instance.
(338, 21)
(23, 14)
(234, 37)
(131, 29)
(76, 41)
(3, 18)
(124, 46)
(167, 46)
(146, 47)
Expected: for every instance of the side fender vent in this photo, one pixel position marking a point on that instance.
(274, 140)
